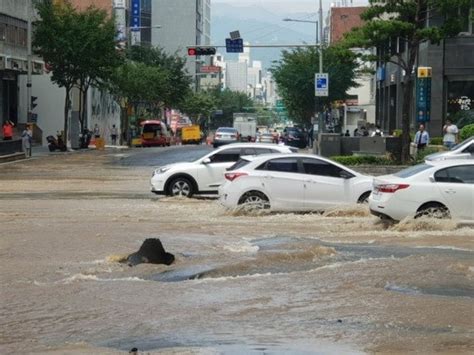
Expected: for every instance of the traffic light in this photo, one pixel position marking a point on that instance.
(194, 51)
(33, 99)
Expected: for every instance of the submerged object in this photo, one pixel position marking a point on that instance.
(151, 252)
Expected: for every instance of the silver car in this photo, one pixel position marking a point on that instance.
(463, 150)
(225, 135)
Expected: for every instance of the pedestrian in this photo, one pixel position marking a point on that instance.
(114, 134)
(347, 134)
(26, 138)
(356, 132)
(450, 137)
(363, 132)
(377, 133)
(8, 130)
(96, 131)
(422, 138)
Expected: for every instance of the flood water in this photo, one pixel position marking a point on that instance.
(340, 282)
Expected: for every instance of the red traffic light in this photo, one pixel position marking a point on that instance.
(194, 51)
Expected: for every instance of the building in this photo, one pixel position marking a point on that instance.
(182, 23)
(359, 107)
(236, 76)
(452, 92)
(13, 56)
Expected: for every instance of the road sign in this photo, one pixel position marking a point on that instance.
(135, 16)
(234, 45)
(423, 99)
(321, 81)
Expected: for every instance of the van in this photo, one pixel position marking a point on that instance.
(154, 133)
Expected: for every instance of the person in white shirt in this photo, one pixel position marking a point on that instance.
(378, 132)
(422, 138)
(450, 137)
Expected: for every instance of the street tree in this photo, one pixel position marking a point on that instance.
(55, 41)
(229, 102)
(198, 106)
(294, 75)
(98, 58)
(408, 21)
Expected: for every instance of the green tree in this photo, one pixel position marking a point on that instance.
(198, 106)
(98, 58)
(294, 75)
(229, 102)
(55, 41)
(407, 20)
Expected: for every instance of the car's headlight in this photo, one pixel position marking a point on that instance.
(161, 170)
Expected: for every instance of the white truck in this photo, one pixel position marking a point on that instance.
(246, 125)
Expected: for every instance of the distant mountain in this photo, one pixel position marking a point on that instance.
(257, 25)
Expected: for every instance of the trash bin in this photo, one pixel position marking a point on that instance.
(100, 143)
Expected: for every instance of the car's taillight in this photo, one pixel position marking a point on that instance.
(233, 176)
(391, 188)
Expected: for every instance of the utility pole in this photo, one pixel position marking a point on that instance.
(320, 114)
(29, 55)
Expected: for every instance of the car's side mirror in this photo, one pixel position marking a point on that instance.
(432, 179)
(206, 161)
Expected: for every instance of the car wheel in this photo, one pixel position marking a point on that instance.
(433, 210)
(364, 198)
(255, 200)
(181, 186)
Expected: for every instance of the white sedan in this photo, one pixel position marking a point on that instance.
(435, 188)
(297, 182)
(204, 175)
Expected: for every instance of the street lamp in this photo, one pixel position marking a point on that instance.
(306, 21)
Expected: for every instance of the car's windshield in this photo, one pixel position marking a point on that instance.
(413, 170)
(226, 130)
(461, 144)
(239, 164)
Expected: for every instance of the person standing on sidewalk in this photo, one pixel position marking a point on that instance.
(96, 131)
(422, 138)
(450, 137)
(26, 138)
(8, 130)
(114, 134)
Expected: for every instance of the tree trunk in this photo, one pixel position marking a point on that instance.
(80, 106)
(83, 116)
(407, 102)
(67, 103)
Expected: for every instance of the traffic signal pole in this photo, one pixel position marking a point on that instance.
(29, 55)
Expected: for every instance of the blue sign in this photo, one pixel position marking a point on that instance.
(234, 45)
(423, 99)
(321, 84)
(135, 20)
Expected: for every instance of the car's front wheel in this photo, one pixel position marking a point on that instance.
(181, 186)
(433, 210)
(255, 200)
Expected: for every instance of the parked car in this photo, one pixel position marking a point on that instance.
(295, 137)
(463, 150)
(293, 182)
(204, 175)
(438, 188)
(225, 135)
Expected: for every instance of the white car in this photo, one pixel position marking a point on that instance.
(296, 182)
(463, 150)
(436, 188)
(204, 175)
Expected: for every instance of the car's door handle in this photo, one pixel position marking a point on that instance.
(308, 181)
(268, 177)
(450, 191)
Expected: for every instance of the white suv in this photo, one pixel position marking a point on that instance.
(204, 175)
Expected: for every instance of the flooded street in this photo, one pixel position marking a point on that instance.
(340, 282)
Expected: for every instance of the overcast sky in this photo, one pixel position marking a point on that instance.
(282, 6)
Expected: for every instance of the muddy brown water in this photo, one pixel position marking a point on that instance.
(339, 282)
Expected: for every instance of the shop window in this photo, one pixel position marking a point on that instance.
(461, 102)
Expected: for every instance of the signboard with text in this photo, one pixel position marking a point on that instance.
(135, 15)
(321, 81)
(423, 94)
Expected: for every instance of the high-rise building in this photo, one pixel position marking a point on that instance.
(182, 23)
(13, 55)
(236, 76)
